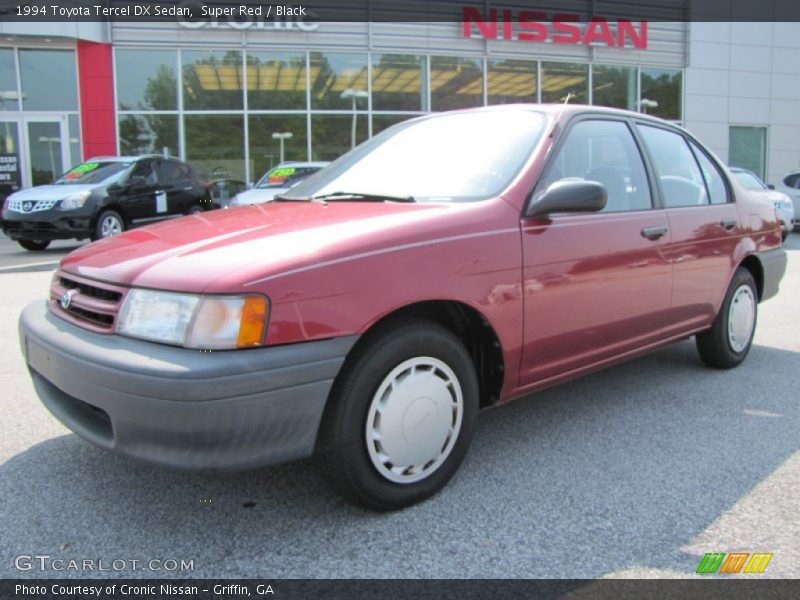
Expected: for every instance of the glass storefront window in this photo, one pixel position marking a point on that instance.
(276, 80)
(44, 139)
(332, 135)
(748, 148)
(148, 134)
(510, 81)
(265, 150)
(456, 82)
(381, 122)
(213, 80)
(9, 96)
(662, 86)
(147, 79)
(565, 81)
(215, 145)
(398, 82)
(614, 86)
(338, 81)
(75, 154)
(49, 80)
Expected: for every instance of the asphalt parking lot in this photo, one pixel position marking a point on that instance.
(635, 471)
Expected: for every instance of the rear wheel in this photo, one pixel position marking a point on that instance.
(196, 210)
(109, 224)
(727, 343)
(34, 245)
(401, 416)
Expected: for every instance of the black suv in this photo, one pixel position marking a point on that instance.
(103, 197)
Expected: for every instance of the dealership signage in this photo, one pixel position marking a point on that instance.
(9, 172)
(558, 28)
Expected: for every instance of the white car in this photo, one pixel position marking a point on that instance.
(790, 185)
(782, 201)
(277, 181)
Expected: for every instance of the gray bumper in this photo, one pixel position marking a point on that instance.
(181, 408)
(773, 262)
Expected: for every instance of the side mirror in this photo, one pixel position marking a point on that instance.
(570, 195)
(771, 186)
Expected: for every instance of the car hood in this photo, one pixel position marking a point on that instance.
(224, 250)
(256, 196)
(52, 192)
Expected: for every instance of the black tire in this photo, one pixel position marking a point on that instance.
(196, 209)
(716, 346)
(343, 445)
(34, 245)
(99, 228)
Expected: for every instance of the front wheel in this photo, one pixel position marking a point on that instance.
(109, 224)
(401, 416)
(727, 343)
(34, 245)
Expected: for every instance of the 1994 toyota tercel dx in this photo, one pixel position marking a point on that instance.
(450, 263)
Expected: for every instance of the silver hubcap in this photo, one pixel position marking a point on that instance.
(110, 226)
(414, 419)
(741, 318)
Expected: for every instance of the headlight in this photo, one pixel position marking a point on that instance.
(74, 201)
(202, 322)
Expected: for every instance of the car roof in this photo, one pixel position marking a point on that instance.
(129, 158)
(298, 163)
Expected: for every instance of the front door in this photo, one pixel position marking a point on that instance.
(48, 148)
(595, 285)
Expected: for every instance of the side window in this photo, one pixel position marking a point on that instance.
(167, 172)
(606, 152)
(792, 181)
(144, 168)
(681, 180)
(715, 184)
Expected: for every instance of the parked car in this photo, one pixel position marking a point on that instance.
(452, 262)
(224, 190)
(277, 181)
(790, 185)
(103, 197)
(783, 203)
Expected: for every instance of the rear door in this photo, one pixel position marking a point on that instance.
(704, 223)
(595, 285)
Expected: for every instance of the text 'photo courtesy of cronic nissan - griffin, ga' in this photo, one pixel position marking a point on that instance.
(451, 263)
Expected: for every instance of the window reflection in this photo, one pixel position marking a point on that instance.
(338, 81)
(49, 79)
(213, 80)
(146, 134)
(147, 79)
(276, 80)
(332, 135)
(398, 82)
(456, 82)
(511, 81)
(614, 86)
(565, 81)
(381, 122)
(265, 150)
(664, 87)
(215, 145)
(9, 97)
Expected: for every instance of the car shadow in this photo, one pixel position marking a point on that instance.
(617, 469)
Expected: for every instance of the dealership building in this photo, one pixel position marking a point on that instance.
(219, 93)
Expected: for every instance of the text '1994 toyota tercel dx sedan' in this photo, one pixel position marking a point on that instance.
(452, 262)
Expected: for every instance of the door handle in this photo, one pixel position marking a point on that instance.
(728, 223)
(655, 232)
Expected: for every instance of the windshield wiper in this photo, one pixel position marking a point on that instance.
(359, 197)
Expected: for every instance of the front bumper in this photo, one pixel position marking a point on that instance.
(47, 225)
(176, 407)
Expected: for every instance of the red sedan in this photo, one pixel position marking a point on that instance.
(453, 262)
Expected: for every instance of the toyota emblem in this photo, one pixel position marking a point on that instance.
(66, 299)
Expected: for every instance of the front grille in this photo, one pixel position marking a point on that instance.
(91, 290)
(91, 304)
(30, 206)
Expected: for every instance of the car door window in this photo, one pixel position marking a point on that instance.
(715, 184)
(144, 168)
(167, 172)
(792, 181)
(682, 182)
(604, 151)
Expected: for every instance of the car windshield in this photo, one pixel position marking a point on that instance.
(281, 176)
(93, 172)
(749, 181)
(445, 158)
